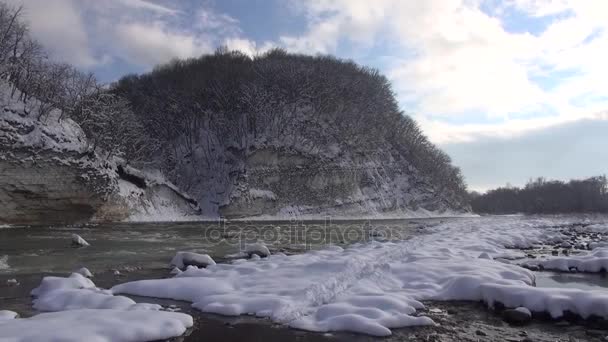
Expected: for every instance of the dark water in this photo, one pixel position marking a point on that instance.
(128, 246)
(582, 281)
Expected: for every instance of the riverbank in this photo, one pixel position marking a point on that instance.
(454, 320)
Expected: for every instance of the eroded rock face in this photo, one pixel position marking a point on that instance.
(47, 188)
(289, 183)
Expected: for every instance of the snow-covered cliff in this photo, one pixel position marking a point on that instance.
(290, 136)
(48, 174)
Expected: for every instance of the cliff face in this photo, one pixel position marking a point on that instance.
(282, 135)
(285, 183)
(43, 188)
(49, 176)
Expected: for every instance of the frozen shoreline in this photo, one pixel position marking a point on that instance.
(369, 288)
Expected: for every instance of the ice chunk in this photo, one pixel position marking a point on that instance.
(183, 259)
(97, 325)
(78, 241)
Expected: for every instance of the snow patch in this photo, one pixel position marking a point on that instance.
(258, 249)
(4, 263)
(595, 261)
(84, 272)
(83, 312)
(77, 240)
(5, 315)
(264, 194)
(96, 325)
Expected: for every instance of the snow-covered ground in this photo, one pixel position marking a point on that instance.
(79, 311)
(374, 287)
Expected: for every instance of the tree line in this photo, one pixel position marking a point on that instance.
(541, 196)
(306, 102)
(106, 118)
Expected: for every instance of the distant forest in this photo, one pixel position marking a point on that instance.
(541, 196)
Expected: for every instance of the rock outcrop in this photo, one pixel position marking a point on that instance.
(286, 183)
(48, 175)
(48, 187)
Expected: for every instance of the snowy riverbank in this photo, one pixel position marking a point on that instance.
(367, 288)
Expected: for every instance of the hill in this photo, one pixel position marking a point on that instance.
(286, 135)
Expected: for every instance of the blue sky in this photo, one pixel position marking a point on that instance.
(488, 80)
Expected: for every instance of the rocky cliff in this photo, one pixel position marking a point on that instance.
(282, 135)
(49, 176)
(43, 188)
(286, 183)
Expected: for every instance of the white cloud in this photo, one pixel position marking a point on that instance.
(88, 33)
(153, 43)
(208, 19)
(145, 5)
(59, 25)
(457, 59)
(248, 47)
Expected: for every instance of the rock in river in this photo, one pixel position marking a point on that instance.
(519, 315)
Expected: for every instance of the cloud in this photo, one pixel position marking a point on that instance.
(90, 33)
(209, 20)
(571, 150)
(154, 43)
(145, 5)
(248, 47)
(59, 25)
(457, 58)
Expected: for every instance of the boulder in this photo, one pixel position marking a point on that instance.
(183, 259)
(78, 241)
(258, 249)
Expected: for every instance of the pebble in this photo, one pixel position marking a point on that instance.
(519, 315)
(480, 333)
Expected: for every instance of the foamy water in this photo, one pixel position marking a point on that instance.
(4, 263)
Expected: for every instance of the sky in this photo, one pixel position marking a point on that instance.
(511, 89)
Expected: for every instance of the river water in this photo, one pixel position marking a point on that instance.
(129, 246)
